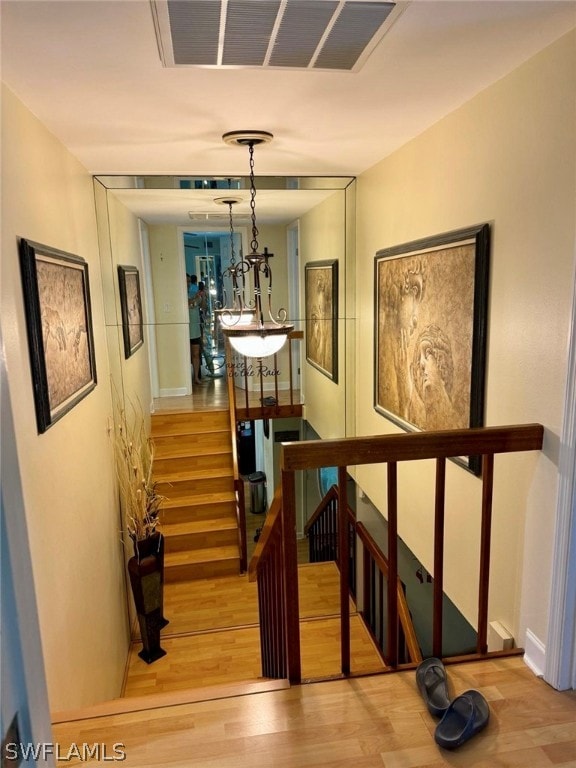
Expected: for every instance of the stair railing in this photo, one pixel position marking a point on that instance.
(375, 575)
(267, 567)
(269, 404)
(391, 449)
(321, 531)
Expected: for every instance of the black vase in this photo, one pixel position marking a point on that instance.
(146, 571)
(154, 546)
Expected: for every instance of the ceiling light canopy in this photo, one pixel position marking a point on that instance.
(242, 319)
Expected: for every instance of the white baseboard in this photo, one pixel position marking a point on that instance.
(535, 654)
(178, 392)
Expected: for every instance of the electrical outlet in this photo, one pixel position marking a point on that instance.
(11, 752)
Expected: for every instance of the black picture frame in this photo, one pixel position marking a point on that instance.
(321, 301)
(131, 308)
(56, 292)
(431, 310)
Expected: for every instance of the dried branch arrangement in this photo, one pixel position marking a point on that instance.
(134, 456)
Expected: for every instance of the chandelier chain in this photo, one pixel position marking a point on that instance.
(232, 254)
(254, 243)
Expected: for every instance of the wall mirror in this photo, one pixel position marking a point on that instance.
(168, 225)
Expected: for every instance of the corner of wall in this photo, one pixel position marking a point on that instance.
(535, 654)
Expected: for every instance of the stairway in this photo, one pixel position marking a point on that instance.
(193, 470)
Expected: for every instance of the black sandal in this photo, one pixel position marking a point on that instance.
(433, 685)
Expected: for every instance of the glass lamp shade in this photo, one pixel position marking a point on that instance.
(256, 340)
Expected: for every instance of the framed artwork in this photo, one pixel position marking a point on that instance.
(131, 306)
(59, 325)
(431, 303)
(321, 297)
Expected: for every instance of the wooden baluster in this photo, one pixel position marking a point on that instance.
(486, 529)
(241, 515)
(438, 557)
(291, 376)
(246, 402)
(366, 593)
(276, 380)
(392, 644)
(276, 611)
(380, 633)
(290, 551)
(344, 565)
(264, 618)
(261, 384)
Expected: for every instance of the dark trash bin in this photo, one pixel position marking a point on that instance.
(258, 501)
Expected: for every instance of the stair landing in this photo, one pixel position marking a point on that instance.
(213, 637)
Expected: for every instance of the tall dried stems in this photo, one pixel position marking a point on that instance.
(134, 455)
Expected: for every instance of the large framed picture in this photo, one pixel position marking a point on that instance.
(59, 325)
(321, 297)
(131, 306)
(431, 303)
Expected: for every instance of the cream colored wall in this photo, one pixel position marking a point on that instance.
(322, 237)
(67, 472)
(507, 157)
(172, 330)
(126, 250)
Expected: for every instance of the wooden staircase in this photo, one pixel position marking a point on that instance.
(193, 469)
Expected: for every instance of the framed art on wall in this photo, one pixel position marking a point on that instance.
(131, 307)
(431, 303)
(59, 324)
(321, 298)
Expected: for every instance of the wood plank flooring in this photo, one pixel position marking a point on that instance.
(369, 722)
(214, 638)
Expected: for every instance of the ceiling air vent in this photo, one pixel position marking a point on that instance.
(333, 35)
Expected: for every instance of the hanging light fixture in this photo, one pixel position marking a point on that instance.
(243, 320)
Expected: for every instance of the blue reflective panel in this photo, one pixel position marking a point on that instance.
(327, 477)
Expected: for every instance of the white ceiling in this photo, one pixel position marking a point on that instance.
(91, 72)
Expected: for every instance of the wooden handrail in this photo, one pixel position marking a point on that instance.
(238, 482)
(271, 520)
(411, 446)
(403, 610)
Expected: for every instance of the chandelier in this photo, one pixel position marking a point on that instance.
(247, 321)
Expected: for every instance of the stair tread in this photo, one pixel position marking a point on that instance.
(199, 526)
(190, 557)
(181, 452)
(201, 499)
(194, 474)
(184, 424)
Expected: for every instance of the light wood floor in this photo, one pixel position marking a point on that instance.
(369, 722)
(214, 638)
(212, 395)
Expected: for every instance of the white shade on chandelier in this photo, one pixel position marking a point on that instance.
(254, 343)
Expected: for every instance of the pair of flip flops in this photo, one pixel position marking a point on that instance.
(461, 717)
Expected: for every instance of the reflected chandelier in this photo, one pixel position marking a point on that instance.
(243, 321)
